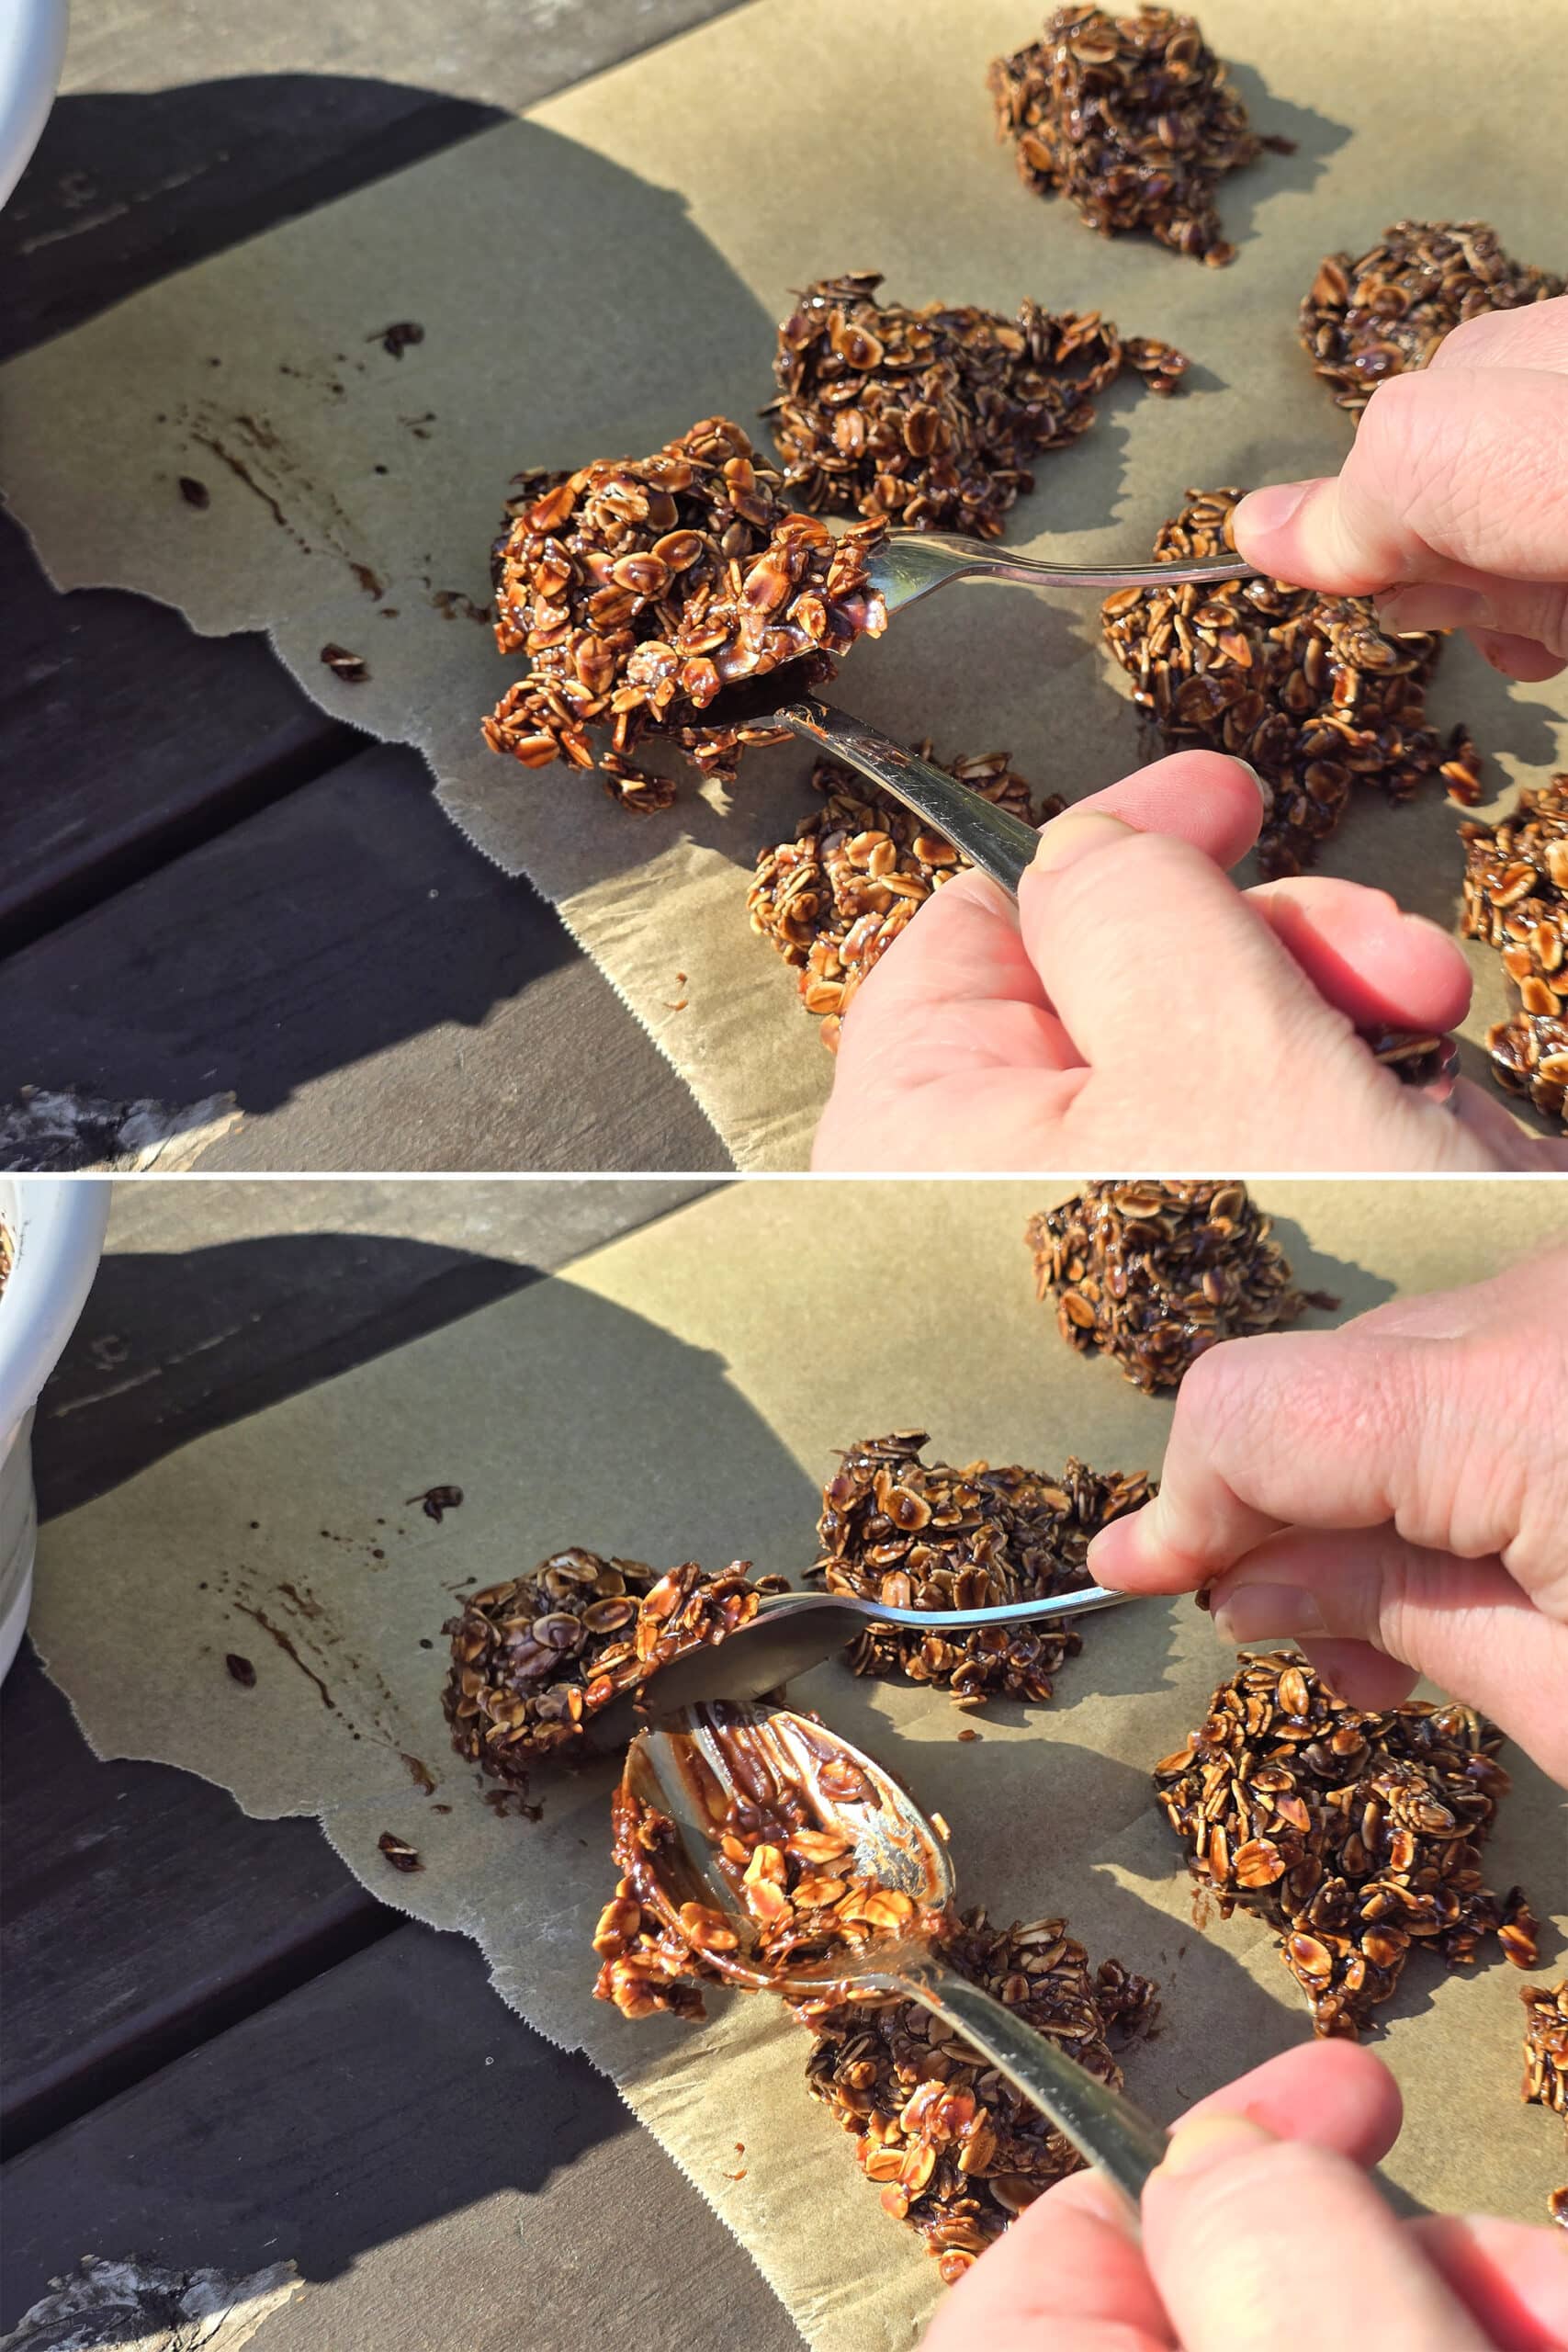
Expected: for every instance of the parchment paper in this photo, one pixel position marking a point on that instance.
(681, 1395)
(594, 277)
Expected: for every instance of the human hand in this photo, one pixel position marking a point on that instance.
(1393, 1495)
(1263, 2227)
(1452, 505)
(1136, 1012)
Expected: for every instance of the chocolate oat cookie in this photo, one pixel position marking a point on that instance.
(1154, 1276)
(1133, 119)
(1356, 1834)
(1516, 897)
(638, 589)
(929, 418)
(1307, 688)
(957, 2151)
(921, 1535)
(535, 1659)
(834, 899)
(1384, 312)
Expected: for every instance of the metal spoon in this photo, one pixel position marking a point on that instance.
(793, 1631)
(693, 1775)
(1002, 845)
(909, 564)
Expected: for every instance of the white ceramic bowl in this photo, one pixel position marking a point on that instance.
(32, 49)
(56, 1229)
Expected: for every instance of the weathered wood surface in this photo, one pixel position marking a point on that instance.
(219, 2047)
(126, 742)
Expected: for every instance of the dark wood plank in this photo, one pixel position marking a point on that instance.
(141, 1909)
(442, 2178)
(143, 1912)
(352, 924)
(125, 739)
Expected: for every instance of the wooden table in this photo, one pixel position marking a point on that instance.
(219, 2047)
(205, 884)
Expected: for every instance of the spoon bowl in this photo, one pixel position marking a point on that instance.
(725, 1771)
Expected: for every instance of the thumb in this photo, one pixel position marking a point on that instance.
(1454, 480)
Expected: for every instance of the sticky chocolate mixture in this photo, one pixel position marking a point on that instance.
(1382, 313)
(537, 1657)
(1308, 688)
(1154, 1276)
(833, 900)
(1516, 897)
(1133, 119)
(929, 418)
(1355, 1833)
(638, 589)
(928, 1535)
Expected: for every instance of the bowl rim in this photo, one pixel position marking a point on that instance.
(32, 52)
(57, 1226)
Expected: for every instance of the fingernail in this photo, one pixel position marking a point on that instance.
(1210, 2140)
(1270, 509)
(1254, 1611)
(1078, 833)
(1265, 791)
(1429, 607)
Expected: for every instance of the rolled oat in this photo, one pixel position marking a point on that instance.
(1133, 119)
(1516, 897)
(919, 1536)
(1354, 1832)
(1307, 688)
(928, 418)
(1384, 312)
(640, 589)
(833, 900)
(1154, 1276)
(535, 1659)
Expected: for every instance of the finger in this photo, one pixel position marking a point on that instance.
(1357, 1429)
(1466, 1624)
(1513, 2279)
(964, 947)
(1541, 651)
(1370, 960)
(1234, 2215)
(1493, 1125)
(1070, 2263)
(1533, 336)
(1454, 476)
(1230, 1000)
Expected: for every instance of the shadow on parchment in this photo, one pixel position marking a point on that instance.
(241, 2072)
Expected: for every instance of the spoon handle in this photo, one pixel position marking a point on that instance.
(1105, 2128)
(1082, 1603)
(1000, 843)
(1029, 572)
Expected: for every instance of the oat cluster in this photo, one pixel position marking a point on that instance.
(919, 1536)
(1382, 313)
(1154, 1276)
(1305, 686)
(1516, 897)
(638, 589)
(535, 1659)
(1133, 119)
(1356, 1835)
(835, 898)
(1546, 2064)
(805, 1905)
(929, 418)
(957, 2150)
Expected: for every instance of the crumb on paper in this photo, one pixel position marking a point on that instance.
(399, 1852)
(399, 337)
(241, 1670)
(352, 668)
(195, 493)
